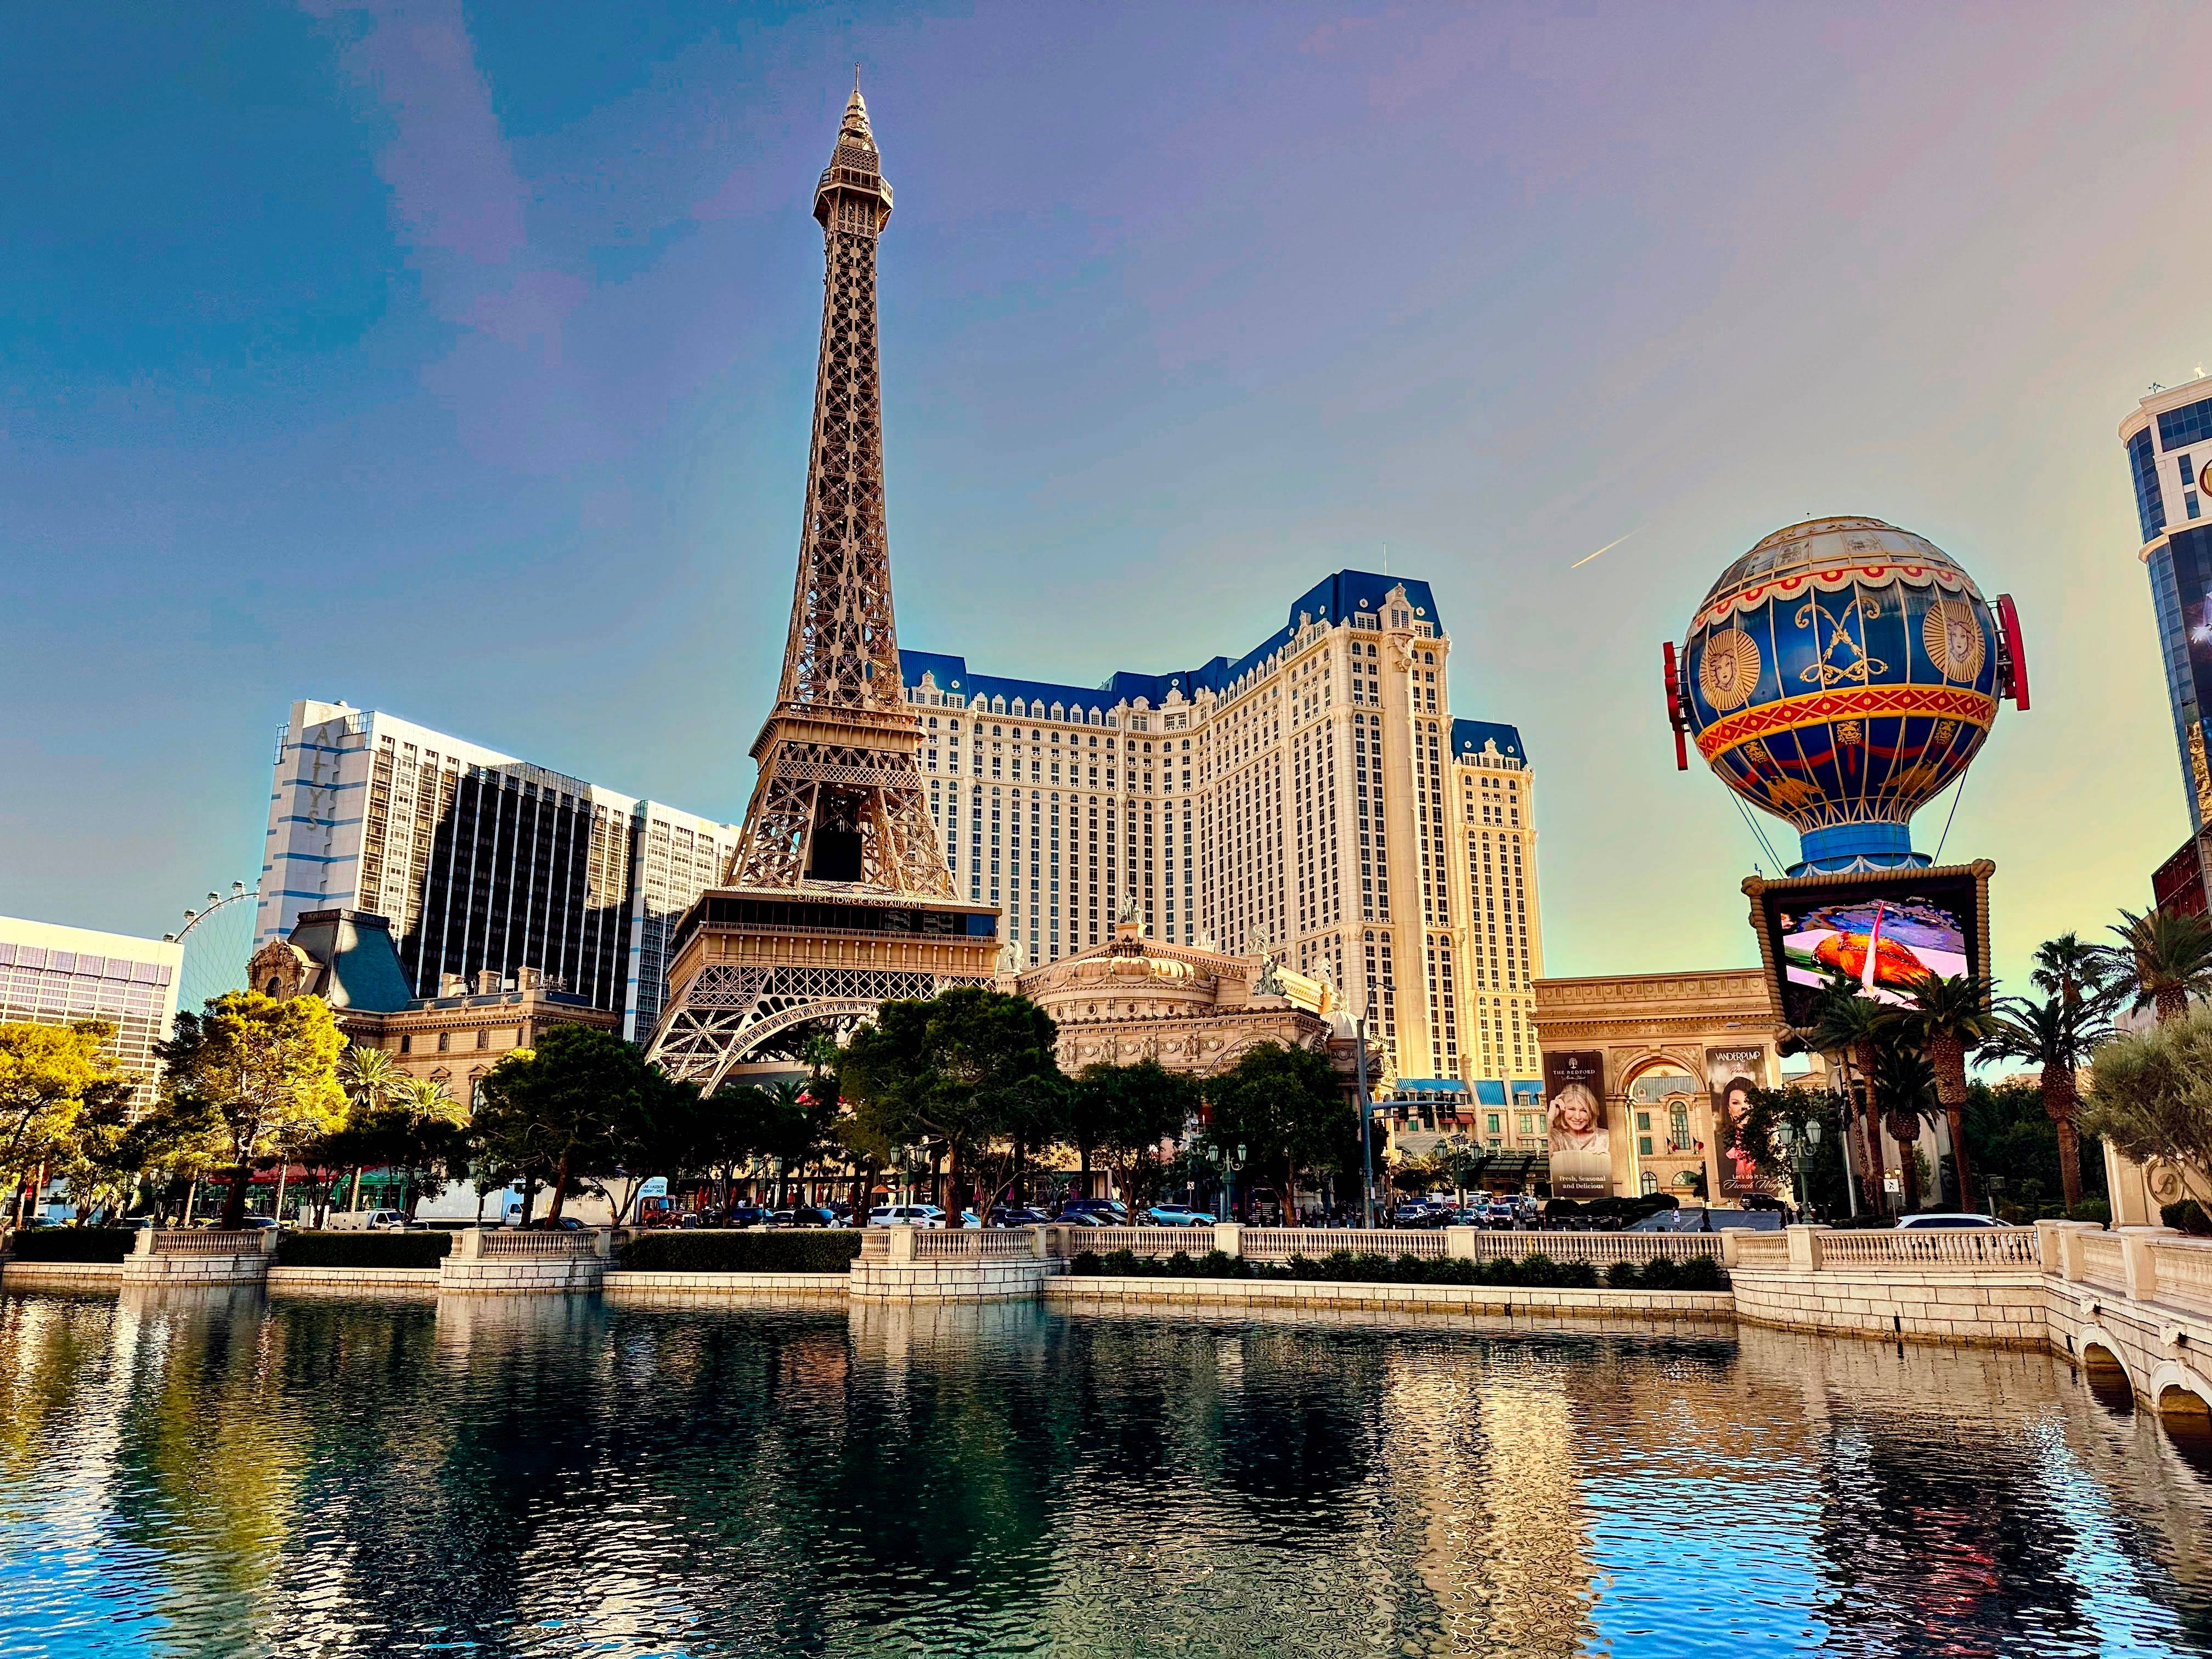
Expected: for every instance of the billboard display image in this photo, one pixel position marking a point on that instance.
(1574, 1104)
(1880, 930)
(1731, 1074)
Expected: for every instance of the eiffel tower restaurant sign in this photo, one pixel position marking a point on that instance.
(838, 897)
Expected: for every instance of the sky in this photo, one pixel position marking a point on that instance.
(457, 361)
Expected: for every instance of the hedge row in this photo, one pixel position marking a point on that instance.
(74, 1244)
(425, 1250)
(707, 1251)
(1535, 1271)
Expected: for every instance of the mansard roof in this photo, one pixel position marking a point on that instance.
(1328, 602)
(1469, 738)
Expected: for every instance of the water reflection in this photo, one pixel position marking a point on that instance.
(214, 1473)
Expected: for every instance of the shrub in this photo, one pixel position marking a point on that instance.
(1121, 1264)
(2092, 1209)
(1180, 1266)
(1700, 1273)
(362, 1250)
(1219, 1264)
(732, 1252)
(1624, 1276)
(74, 1244)
(1086, 1262)
(1661, 1273)
(2188, 1216)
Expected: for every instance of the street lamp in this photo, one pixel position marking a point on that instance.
(1366, 1121)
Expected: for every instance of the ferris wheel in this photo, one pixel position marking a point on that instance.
(218, 939)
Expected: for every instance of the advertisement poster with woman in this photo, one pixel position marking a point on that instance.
(1731, 1074)
(1581, 1150)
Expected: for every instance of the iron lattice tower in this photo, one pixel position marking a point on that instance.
(838, 896)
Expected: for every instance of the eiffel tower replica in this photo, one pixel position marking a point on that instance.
(838, 897)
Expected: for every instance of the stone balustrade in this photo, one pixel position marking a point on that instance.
(510, 1262)
(182, 1256)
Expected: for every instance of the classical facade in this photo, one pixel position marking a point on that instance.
(482, 863)
(348, 959)
(1315, 792)
(1668, 1042)
(1190, 1009)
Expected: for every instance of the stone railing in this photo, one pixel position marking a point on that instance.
(976, 1244)
(521, 1245)
(178, 1241)
(1965, 1250)
(1429, 1244)
(1762, 1251)
(876, 1244)
(2142, 1264)
(2101, 1262)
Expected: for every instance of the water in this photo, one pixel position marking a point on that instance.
(224, 1474)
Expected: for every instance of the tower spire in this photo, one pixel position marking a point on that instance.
(839, 795)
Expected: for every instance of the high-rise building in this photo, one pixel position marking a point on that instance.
(1316, 793)
(481, 862)
(2168, 437)
(54, 975)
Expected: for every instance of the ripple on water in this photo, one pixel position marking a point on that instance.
(562, 1478)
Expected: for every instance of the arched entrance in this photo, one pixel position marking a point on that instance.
(1663, 1129)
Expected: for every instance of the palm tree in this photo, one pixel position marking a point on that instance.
(2065, 966)
(1907, 1085)
(1948, 1017)
(2056, 1036)
(2163, 959)
(1854, 1028)
(370, 1077)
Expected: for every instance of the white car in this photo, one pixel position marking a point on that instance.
(367, 1221)
(906, 1215)
(1933, 1218)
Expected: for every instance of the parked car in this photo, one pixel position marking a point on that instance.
(1416, 1215)
(1015, 1215)
(1927, 1218)
(1087, 1218)
(566, 1224)
(368, 1221)
(799, 1216)
(1117, 1212)
(1179, 1215)
(906, 1215)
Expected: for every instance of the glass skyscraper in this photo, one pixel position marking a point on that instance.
(2168, 439)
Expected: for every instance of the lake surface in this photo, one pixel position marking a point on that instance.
(223, 1472)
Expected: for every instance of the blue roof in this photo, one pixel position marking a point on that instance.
(1345, 593)
(1489, 1092)
(1469, 738)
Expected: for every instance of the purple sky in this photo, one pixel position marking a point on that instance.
(456, 361)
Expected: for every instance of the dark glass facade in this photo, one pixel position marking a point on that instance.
(525, 874)
(2143, 463)
(2189, 424)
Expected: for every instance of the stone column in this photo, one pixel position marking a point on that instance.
(2136, 1257)
(603, 1242)
(1805, 1249)
(1459, 1243)
(144, 1244)
(1229, 1237)
(902, 1246)
(468, 1245)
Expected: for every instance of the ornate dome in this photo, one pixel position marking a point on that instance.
(1839, 675)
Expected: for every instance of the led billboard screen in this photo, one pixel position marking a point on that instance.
(1880, 930)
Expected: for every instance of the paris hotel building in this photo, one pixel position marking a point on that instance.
(1315, 793)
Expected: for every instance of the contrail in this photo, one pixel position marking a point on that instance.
(1607, 548)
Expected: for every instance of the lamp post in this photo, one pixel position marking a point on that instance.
(1366, 1125)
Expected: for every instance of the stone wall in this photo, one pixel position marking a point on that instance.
(1991, 1309)
(1329, 1295)
(401, 1281)
(685, 1290)
(952, 1280)
(60, 1275)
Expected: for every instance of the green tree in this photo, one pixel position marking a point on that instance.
(266, 1072)
(1820, 1162)
(48, 1076)
(2055, 1034)
(1948, 1018)
(1906, 1084)
(1124, 1113)
(549, 1114)
(1852, 1029)
(2014, 1136)
(2150, 1094)
(972, 1068)
(421, 1131)
(370, 1077)
(2163, 959)
(1286, 1108)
